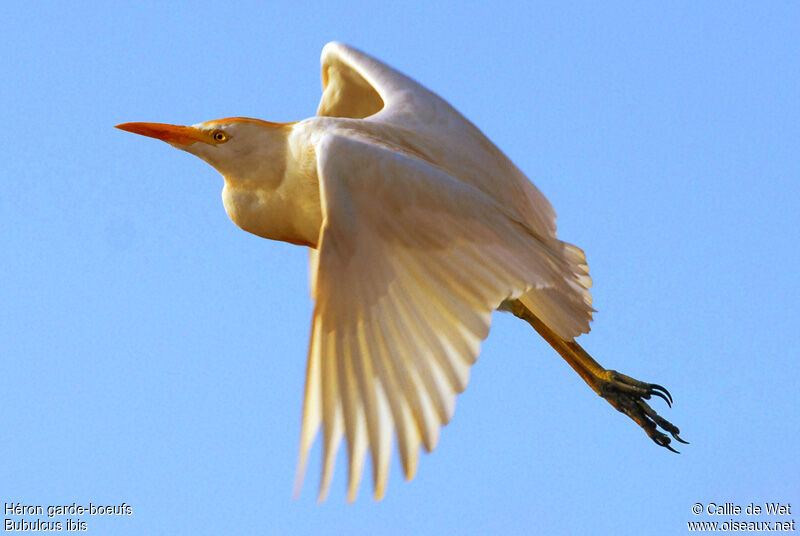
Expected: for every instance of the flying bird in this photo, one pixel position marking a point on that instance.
(418, 228)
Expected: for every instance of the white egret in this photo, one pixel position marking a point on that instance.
(418, 228)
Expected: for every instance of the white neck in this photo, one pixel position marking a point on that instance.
(271, 187)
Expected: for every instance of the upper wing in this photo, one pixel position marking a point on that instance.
(412, 262)
(356, 85)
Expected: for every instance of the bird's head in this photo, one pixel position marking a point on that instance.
(242, 149)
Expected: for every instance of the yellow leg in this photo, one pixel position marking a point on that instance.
(626, 394)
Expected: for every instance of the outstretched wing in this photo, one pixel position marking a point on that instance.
(412, 262)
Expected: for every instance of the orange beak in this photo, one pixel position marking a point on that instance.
(168, 133)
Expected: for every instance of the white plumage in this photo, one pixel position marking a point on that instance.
(419, 229)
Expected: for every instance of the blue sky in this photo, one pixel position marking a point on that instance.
(154, 354)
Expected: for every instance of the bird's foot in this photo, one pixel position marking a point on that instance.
(628, 395)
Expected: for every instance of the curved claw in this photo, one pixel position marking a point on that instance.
(678, 438)
(659, 394)
(661, 391)
(661, 440)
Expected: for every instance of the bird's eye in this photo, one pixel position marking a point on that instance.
(220, 136)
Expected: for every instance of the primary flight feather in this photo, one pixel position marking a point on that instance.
(418, 228)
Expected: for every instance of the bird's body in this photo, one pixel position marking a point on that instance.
(419, 228)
